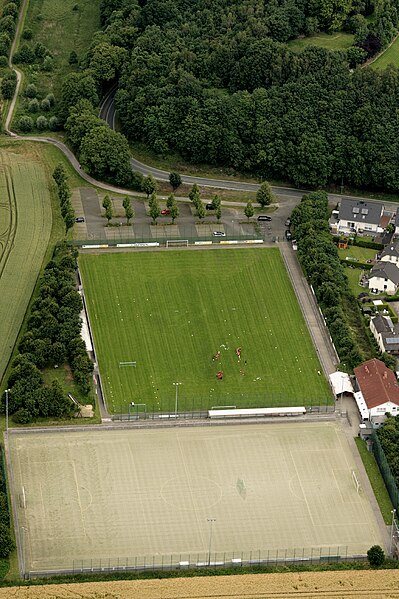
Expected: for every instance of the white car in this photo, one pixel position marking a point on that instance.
(219, 234)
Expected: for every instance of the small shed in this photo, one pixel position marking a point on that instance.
(341, 383)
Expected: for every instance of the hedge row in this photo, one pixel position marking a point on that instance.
(6, 542)
(52, 338)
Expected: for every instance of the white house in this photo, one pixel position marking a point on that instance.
(378, 391)
(384, 278)
(385, 333)
(359, 216)
(390, 254)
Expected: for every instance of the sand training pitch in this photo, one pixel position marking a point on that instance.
(119, 495)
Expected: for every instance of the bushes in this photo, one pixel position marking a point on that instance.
(6, 542)
(318, 255)
(8, 85)
(52, 336)
(64, 194)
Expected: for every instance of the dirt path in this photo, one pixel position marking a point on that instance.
(381, 584)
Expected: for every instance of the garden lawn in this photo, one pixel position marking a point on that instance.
(357, 254)
(172, 311)
(354, 275)
(334, 41)
(390, 56)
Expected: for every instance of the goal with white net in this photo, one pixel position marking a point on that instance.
(22, 498)
(176, 243)
(127, 364)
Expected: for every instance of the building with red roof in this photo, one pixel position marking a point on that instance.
(377, 391)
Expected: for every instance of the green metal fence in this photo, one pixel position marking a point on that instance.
(385, 471)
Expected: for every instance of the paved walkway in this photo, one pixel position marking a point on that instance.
(318, 330)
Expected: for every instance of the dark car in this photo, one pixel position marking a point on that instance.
(264, 217)
(165, 211)
(288, 235)
(209, 206)
(79, 219)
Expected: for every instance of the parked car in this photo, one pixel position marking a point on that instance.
(219, 234)
(166, 211)
(209, 206)
(80, 219)
(288, 235)
(288, 222)
(264, 217)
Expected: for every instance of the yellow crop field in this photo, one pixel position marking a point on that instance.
(25, 227)
(379, 584)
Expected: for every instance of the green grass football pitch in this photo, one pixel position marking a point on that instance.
(170, 312)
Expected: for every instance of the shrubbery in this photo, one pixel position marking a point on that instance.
(52, 337)
(64, 194)
(6, 542)
(318, 255)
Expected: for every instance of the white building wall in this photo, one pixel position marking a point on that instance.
(382, 285)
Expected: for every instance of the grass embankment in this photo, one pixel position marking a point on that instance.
(376, 480)
(333, 41)
(61, 26)
(171, 312)
(390, 56)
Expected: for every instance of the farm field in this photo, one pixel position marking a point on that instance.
(25, 228)
(91, 498)
(172, 312)
(335, 41)
(390, 56)
(373, 584)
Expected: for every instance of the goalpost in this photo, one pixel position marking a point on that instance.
(176, 243)
(356, 482)
(123, 364)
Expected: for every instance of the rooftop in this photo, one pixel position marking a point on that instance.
(385, 270)
(360, 211)
(391, 250)
(377, 383)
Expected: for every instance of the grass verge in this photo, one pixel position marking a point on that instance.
(376, 480)
(62, 26)
(330, 41)
(171, 312)
(390, 56)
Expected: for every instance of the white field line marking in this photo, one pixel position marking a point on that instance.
(200, 529)
(303, 492)
(79, 501)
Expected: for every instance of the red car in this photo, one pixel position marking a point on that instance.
(166, 211)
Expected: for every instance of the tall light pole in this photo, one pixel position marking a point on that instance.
(393, 512)
(176, 397)
(211, 521)
(7, 391)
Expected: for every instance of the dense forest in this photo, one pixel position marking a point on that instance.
(216, 82)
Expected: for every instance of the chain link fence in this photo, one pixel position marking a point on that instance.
(204, 561)
(385, 471)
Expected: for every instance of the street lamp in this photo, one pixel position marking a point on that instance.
(176, 397)
(7, 391)
(393, 512)
(211, 521)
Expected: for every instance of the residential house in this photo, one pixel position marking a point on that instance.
(377, 391)
(384, 278)
(385, 333)
(390, 254)
(359, 216)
